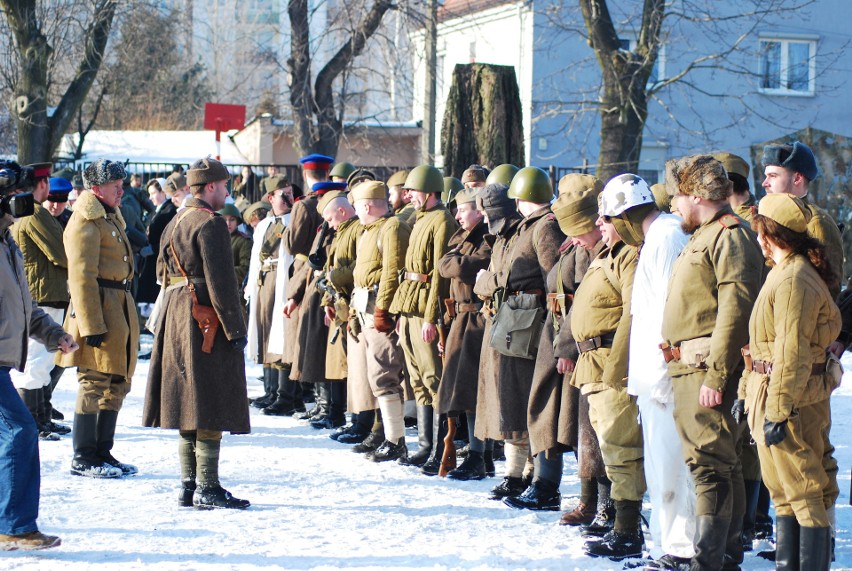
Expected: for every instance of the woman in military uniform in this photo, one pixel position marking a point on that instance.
(786, 383)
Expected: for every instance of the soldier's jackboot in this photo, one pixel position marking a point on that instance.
(360, 428)
(309, 393)
(86, 461)
(439, 432)
(787, 532)
(473, 468)
(375, 438)
(269, 376)
(186, 453)
(46, 413)
(30, 397)
(762, 519)
(286, 395)
(710, 534)
(508, 488)
(605, 516)
(107, 420)
(814, 549)
(320, 409)
(425, 426)
(488, 459)
(752, 490)
(542, 495)
(336, 406)
(210, 494)
(626, 538)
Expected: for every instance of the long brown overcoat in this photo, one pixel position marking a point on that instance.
(313, 332)
(520, 264)
(554, 404)
(187, 388)
(97, 248)
(468, 253)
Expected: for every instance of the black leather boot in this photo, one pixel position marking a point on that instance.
(373, 441)
(107, 420)
(473, 468)
(31, 399)
(787, 543)
(626, 538)
(814, 549)
(509, 487)
(268, 396)
(320, 409)
(86, 461)
(217, 497)
(752, 490)
(360, 429)
(488, 458)
(439, 432)
(336, 394)
(425, 416)
(287, 400)
(542, 495)
(710, 537)
(210, 494)
(389, 451)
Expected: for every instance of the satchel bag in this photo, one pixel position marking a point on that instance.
(516, 329)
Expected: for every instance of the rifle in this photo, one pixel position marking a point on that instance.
(448, 459)
(317, 258)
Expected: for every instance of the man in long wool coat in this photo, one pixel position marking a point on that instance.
(198, 385)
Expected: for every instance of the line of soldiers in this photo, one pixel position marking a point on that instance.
(553, 327)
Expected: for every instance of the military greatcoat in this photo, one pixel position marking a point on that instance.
(187, 388)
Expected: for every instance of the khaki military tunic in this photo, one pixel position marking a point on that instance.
(793, 322)
(338, 275)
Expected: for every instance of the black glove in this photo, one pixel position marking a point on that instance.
(238, 344)
(94, 340)
(774, 432)
(738, 411)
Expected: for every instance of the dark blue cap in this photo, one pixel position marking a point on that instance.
(316, 162)
(322, 187)
(59, 185)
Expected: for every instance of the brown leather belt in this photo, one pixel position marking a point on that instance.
(596, 342)
(468, 307)
(112, 284)
(414, 277)
(670, 353)
(765, 367)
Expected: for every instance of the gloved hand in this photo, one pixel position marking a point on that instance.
(94, 340)
(774, 432)
(383, 321)
(738, 411)
(238, 344)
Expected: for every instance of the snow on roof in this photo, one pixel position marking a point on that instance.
(153, 146)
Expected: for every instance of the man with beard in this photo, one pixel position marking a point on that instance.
(399, 198)
(713, 287)
(197, 380)
(469, 252)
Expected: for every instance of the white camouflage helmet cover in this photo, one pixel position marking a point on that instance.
(622, 192)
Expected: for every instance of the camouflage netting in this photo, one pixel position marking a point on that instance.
(483, 121)
(832, 190)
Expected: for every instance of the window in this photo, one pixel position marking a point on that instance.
(659, 71)
(787, 66)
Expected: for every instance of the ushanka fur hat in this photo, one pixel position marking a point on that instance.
(103, 171)
(698, 175)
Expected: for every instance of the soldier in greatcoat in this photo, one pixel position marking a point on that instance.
(197, 380)
(519, 267)
(418, 302)
(713, 287)
(102, 319)
(469, 252)
(557, 420)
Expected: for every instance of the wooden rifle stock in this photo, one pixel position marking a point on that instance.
(448, 460)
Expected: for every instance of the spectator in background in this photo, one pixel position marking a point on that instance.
(57, 200)
(161, 193)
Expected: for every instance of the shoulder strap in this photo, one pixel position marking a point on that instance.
(729, 221)
(189, 284)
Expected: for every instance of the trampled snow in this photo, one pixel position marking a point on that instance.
(315, 505)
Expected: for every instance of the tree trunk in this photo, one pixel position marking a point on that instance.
(624, 99)
(483, 121)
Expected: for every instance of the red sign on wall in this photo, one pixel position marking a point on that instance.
(222, 117)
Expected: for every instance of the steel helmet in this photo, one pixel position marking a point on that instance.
(425, 178)
(451, 186)
(622, 192)
(533, 185)
(502, 174)
(342, 170)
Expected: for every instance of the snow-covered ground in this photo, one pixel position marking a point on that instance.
(315, 505)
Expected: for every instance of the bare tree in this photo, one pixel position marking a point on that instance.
(317, 116)
(35, 53)
(626, 47)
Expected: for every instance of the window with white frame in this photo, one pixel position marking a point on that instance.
(787, 66)
(658, 73)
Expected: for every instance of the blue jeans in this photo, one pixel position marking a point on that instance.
(20, 476)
